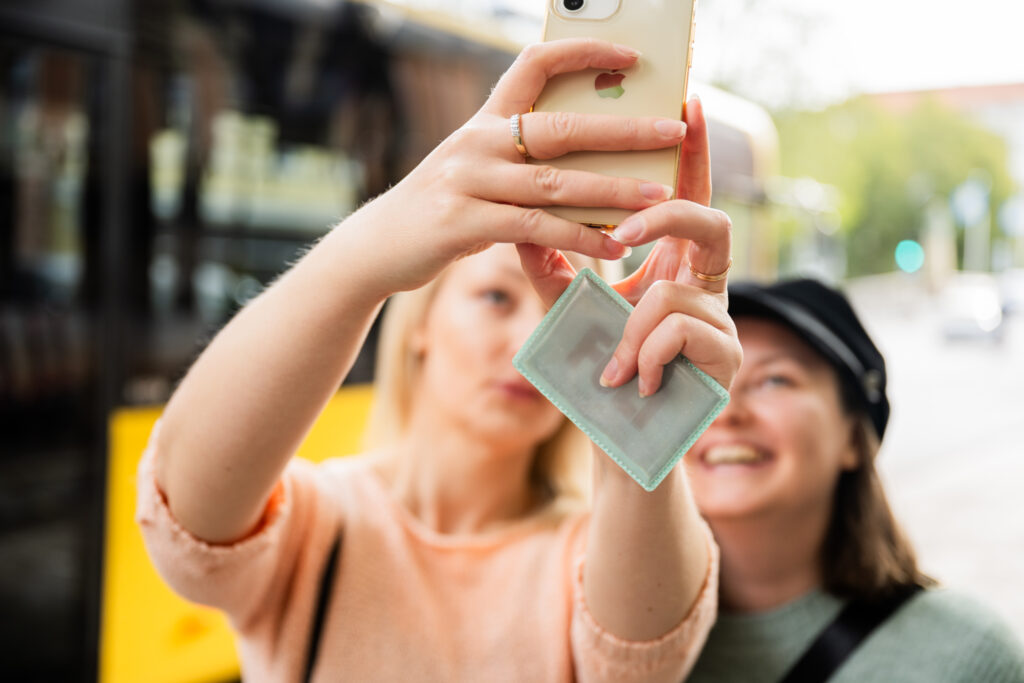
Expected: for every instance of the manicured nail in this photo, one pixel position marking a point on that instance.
(609, 373)
(617, 248)
(670, 129)
(629, 230)
(655, 190)
(627, 50)
(645, 388)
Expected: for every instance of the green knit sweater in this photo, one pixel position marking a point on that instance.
(939, 636)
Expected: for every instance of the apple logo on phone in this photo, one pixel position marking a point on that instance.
(610, 85)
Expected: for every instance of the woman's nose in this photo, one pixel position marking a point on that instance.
(525, 325)
(736, 411)
(522, 331)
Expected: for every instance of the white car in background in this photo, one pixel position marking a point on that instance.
(971, 307)
(1011, 286)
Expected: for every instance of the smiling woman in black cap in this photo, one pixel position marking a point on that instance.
(817, 581)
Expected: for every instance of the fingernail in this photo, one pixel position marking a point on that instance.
(645, 388)
(627, 50)
(609, 373)
(670, 129)
(655, 190)
(617, 248)
(629, 230)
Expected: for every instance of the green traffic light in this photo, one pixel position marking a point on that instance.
(909, 256)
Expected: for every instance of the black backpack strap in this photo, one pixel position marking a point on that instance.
(322, 602)
(840, 638)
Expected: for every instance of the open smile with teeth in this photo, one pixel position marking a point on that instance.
(733, 454)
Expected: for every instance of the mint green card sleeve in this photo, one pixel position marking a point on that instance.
(564, 358)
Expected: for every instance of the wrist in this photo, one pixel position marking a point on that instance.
(386, 248)
(613, 481)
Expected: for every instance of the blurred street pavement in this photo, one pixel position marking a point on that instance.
(953, 456)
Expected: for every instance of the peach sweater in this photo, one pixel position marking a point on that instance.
(408, 604)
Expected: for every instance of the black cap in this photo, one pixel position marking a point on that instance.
(822, 316)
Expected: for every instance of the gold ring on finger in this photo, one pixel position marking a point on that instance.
(517, 135)
(717, 277)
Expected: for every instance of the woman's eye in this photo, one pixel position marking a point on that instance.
(776, 381)
(498, 297)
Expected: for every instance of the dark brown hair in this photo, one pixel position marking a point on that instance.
(865, 554)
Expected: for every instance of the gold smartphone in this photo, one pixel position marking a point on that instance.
(662, 30)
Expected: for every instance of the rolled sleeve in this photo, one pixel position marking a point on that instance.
(601, 656)
(234, 577)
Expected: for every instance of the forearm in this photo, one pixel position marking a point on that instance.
(251, 397)
(647, 554)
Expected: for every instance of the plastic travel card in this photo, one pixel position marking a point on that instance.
(564, 358)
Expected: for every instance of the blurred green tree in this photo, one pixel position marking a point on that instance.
(887, 167)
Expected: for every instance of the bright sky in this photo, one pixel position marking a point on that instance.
(818, 50)
(815, 51)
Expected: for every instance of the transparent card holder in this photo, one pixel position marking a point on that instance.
(564, 358)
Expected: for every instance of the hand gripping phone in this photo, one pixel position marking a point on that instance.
(662, 30)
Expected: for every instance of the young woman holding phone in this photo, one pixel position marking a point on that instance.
(462, 547)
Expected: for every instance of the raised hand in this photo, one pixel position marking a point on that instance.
(475, 189)
(680, 289)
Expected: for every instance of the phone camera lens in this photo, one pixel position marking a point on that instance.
(573, 5)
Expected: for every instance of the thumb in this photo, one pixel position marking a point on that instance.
(547, 269)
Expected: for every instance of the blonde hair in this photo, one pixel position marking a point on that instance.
(561, 464)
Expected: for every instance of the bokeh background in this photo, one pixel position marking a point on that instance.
(161, 161)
